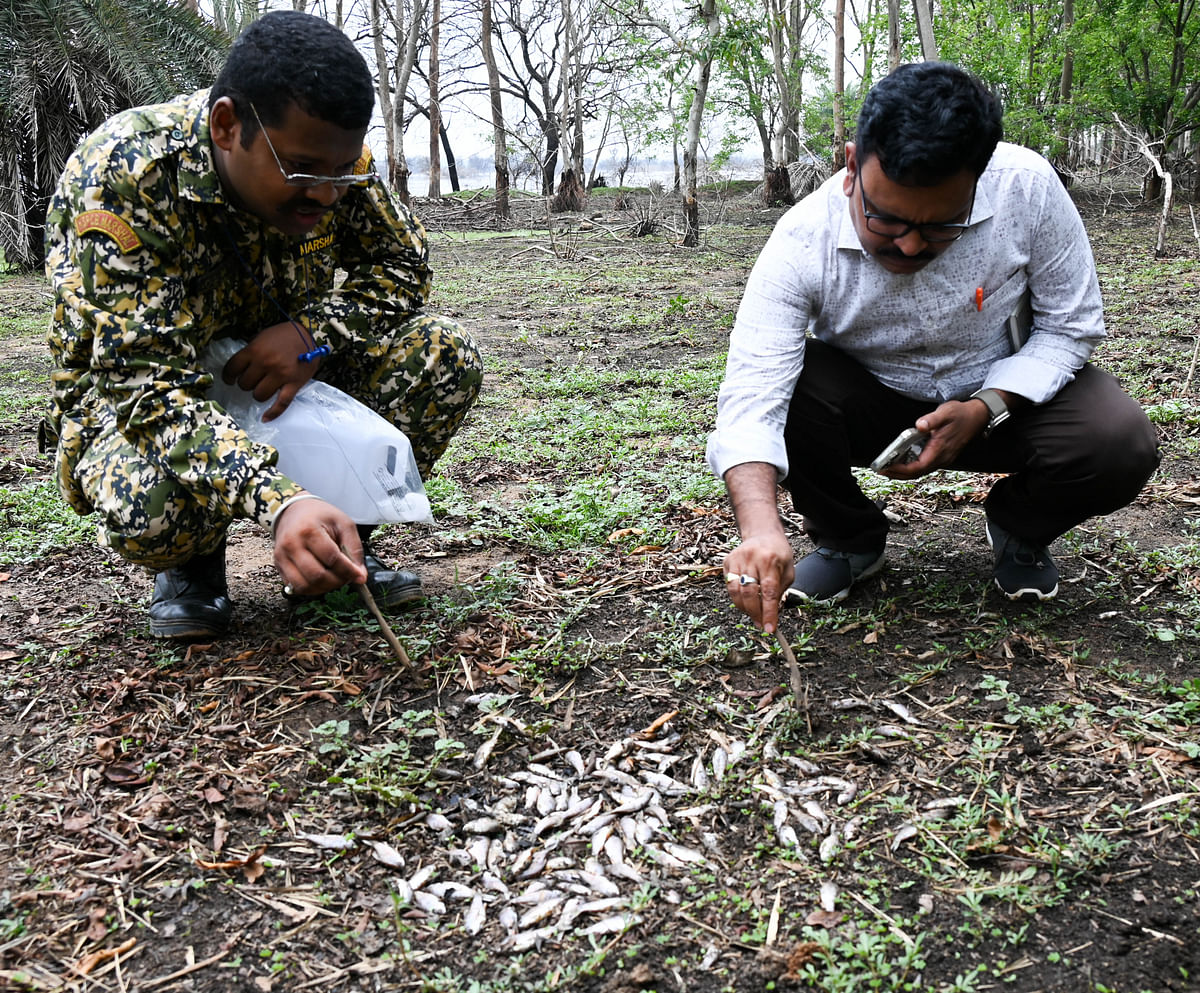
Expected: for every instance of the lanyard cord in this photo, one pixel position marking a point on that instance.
(317, 350)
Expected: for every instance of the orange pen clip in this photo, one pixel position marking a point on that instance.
(979, 298)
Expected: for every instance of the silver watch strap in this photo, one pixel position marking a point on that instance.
(998, 411)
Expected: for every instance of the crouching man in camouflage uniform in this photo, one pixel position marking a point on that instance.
(229, 213)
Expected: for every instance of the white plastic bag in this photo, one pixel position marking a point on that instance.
(330, 444)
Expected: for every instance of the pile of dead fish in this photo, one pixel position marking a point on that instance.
(574, 844)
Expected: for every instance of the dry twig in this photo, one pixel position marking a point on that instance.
(384, 626)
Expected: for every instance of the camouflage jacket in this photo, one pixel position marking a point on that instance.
(140, 250)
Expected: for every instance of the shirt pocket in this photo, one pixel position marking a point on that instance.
(1007, 304)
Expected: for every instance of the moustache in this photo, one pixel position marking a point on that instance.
(895, 253)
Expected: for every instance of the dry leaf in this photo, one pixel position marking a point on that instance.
(824, 918)
(124, 774)
(96, 929)
(330, 842)
(799, 957)
(92, 959)
(220, 833)
(73, 825)
(213, 795)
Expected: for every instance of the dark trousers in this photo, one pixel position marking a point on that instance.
(1087, 451)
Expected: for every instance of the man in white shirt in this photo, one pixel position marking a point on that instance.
(881, 302)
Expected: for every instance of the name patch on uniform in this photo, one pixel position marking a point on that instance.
(315, 244)
(112, 225)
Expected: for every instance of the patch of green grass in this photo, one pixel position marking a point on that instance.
(391, 765)
(871, 956)
(24, 399)
(29, 326)
(36, 521)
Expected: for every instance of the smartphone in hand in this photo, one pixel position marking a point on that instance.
(906, 448)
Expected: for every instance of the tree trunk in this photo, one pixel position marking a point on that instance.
(406, 44)
(383, 84)
(691, 202)
(499, 137)
(571, 194)
(893, 34)
(435, 113)
(451, 165)
(924, 12)
(777, 187)
(839, 84)
(1065, 81)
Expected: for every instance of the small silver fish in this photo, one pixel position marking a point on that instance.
(829, 846)
(610, 925)
(483, 825)
(598, 884)
(490, 881)
(476, 916)
(576, 762)
(685, 854)
(525, 940)
(438, 822)
(429, 903)
(539, 912)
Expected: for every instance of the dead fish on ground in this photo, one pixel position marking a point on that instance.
(476, 916)
(525, 940)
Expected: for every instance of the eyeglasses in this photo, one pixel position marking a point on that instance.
(307, 180)
(897, 227)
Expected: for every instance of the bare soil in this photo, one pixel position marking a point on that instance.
(172, 823)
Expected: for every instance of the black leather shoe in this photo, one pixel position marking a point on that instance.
(191, 601)
(390, 587)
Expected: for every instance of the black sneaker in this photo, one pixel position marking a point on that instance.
(191, 602)
(826, 575)
(391, 587)
(1023, 570)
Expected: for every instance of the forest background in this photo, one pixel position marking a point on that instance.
(569, 93)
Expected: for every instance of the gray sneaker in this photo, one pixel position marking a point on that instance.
(1023, 570)
(826, 575)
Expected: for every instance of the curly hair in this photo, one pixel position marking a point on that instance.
(287, 57)
(927, 121)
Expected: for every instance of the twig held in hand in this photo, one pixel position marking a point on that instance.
(386, 628)
(793, 670)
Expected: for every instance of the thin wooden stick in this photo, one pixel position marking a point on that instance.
(194, 967)
(388, 633)
(793, 670)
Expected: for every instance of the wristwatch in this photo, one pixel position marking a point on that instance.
(997, 409)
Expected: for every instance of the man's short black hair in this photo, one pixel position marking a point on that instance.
(927, 121)
(288, 57)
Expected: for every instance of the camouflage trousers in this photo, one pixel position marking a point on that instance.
(423, 378)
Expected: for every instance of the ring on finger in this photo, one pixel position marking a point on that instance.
(741, 580)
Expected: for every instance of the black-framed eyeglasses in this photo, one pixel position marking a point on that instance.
(897, 227)
(306, 180)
